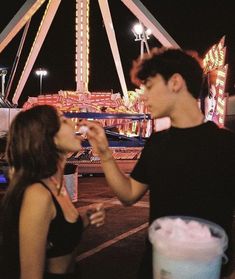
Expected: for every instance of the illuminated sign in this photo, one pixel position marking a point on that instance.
(216, 71)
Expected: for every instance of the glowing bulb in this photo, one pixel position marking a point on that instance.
(138, 28)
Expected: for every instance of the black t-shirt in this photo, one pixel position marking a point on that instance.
(190, 171)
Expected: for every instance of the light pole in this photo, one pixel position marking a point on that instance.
(41, 73)
(3, 73)
(141, 34)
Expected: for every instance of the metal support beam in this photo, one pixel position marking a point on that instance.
(104, 7)
(82, 45)
(141, 12)
(16, 61)
(48, 16)
(18, 21)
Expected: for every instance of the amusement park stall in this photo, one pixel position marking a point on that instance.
(125, 127)
(126, 134)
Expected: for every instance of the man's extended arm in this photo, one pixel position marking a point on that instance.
(127, 189)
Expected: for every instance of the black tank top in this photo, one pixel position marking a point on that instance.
(63, 236)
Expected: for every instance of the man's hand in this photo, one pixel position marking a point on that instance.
(97, 138)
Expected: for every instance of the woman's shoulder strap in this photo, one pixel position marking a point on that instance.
(53, 197)
(44, 184)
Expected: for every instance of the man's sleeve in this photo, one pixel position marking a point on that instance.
(139, 173)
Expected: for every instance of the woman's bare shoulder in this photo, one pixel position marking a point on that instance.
(37, 197)
(36, 192)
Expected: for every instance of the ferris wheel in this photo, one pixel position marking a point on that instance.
(22, 19)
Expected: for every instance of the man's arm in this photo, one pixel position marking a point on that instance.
(127, 189)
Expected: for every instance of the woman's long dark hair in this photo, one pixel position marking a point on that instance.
(32, 155)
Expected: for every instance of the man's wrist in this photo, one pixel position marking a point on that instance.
(106, 156)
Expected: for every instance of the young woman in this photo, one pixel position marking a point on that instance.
(40, 226)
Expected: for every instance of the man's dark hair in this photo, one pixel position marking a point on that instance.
(166, 62)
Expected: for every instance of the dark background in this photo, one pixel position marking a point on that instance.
(193, 25)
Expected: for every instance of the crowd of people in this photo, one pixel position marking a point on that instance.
(188, 170)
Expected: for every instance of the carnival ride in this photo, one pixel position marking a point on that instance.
(123, 116)
(22, 19)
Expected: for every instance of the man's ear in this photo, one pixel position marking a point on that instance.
(176, 82)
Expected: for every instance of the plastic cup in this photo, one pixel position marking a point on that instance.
(179, 257)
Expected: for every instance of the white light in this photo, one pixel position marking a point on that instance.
(138, 28)
(141, 34)
(41, 72)
(148, 32)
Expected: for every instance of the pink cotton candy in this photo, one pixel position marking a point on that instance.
(186, 238)
(83, 130)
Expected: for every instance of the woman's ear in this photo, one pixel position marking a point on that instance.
(56, 141)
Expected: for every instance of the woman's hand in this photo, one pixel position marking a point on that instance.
(96, 215)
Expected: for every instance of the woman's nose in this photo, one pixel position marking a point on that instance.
(143, 97)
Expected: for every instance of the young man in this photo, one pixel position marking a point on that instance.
(188, 168)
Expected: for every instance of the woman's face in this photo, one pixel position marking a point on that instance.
(66, 139)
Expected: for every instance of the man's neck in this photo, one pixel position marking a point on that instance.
(187, 115)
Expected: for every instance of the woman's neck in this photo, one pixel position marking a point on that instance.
(56, 180)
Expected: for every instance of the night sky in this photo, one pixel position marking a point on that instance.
(194, 25)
